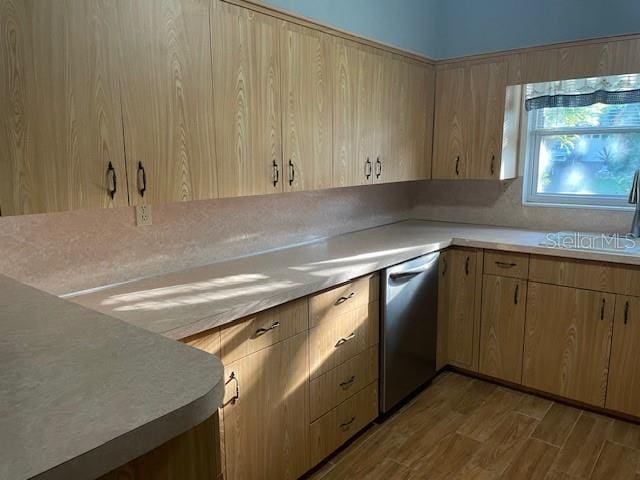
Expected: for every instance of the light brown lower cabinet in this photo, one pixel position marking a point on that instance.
(568, 342)
(266, 412)
(336, 427)
(623, 392)
(502, 327)
(456, 308)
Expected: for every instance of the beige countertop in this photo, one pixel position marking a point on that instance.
(188, 302)
(82, 393)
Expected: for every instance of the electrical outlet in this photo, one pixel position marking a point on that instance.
(143, 215)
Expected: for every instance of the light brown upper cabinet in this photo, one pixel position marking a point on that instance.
(568, 342)
(469, 121)
(408, 114)
(357, 138)
(456, 307)
(307, 107)
(623, 391)
(247, 101)
(167, 98)
(61, 144)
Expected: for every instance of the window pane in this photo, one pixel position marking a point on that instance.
(588, 164)
(598, 116)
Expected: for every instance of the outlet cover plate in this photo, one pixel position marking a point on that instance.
(143, 215)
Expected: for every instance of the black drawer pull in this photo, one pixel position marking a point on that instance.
(604, 303)
(516, 294)
(262, 331)
(347, 383)
(142, 179)
(506, 264)
(344, 340)
(344, 299)
(292, 172)
(457, 166)
(493, 161)
(276, 173)
(112, 181)
(346, 425)
(466, 266)
(367, 168)
(234, 378)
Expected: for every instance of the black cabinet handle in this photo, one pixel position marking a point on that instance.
(604, 303)
(466, 266)
(626, 312)
(505, 264)
(378, 167)
(236, 396)
(344, 340)
(345, 298)
(457, 165)
(347, 383)
(444, 266)
(292, 172)
(262, 331)
(367, 168)
(142, 179)
(493, 161)
(516, 294)
(112, 181)
(348, 424)
(276, 173)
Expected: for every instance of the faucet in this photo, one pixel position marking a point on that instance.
(634, 198)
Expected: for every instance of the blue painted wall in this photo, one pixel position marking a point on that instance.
(451, 28)
(407, 24)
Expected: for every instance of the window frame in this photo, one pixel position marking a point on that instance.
(532, 140)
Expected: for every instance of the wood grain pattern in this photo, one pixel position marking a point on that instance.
(249, 335)
(488, 85)
(266, 428)
(623, 391)
(456, 303)
(60, 120)
(450, 144)
(502, 327)
(167, 98)
(307, 107)
(599, 276)
(568, 342)
(343, 298)
(506, 264)
(336, 427)
(208, 341)
(247, 101)
(335, 386)
(342, 337)
(194, 455)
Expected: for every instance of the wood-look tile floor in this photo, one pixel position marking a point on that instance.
(465, 428)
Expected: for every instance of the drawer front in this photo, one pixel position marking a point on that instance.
(336, 427)
(336, 340)
(343, 299)
(334, 387)
(515, 265)
(263, 330)
(207, 341)
(602, 277)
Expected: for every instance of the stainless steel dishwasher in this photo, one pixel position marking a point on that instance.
(408, 328)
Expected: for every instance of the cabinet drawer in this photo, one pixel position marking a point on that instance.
(515, 265)
(336, 427)
(343, 299)
(335, 386)
(336, 340)
(263, 330)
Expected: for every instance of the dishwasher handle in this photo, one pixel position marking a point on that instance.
(408, 274)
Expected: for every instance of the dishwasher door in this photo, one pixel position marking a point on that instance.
(408, 328)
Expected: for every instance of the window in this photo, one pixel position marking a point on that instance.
(579, 152)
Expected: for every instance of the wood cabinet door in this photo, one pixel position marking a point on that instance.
(421, 92)
(60, 117)
(358, 77)
(167, 98)
(266, 412)
(623, 391)
(568, 342)
(247, 101)
(307, 107)
(456, 303)
(451, 141)
(487, 87)
(502, 327)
